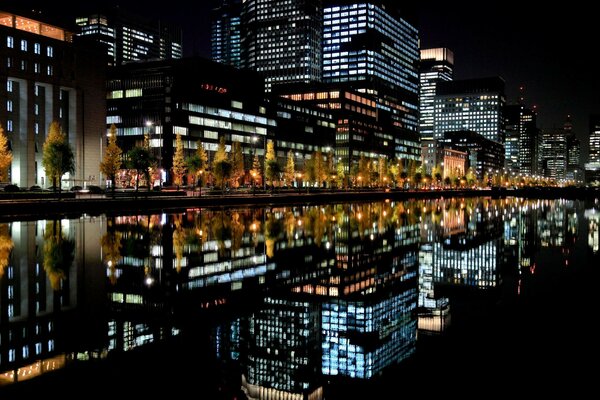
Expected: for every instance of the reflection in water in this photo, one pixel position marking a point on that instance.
(304, 297)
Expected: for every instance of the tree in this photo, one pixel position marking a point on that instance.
(179, 164)
(58, 253)
(271, 165)
(237, 164)
(383, 171)
(111, 164)
(6, 246)
(58, 158)
(330, 169)
(5, 155)
(290, 169)
(363, 171)
(341, 175)
(198, 164)
(437, 174)
(221, 164)
(471, 177)
(141, 160)
(255, 172)
(320, 168)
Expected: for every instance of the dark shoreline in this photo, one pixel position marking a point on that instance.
(144, 202)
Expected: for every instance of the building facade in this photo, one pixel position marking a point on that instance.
(225, 35)
(45, 77)
(281, 39)
(168, 98)
(484, 156)
(529, 142)
(476, 105)
(437, 65)
(129, 37)
(592, 167)
(554, 154)
(369, 47)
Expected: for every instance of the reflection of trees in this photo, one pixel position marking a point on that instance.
(6, 246)
(273, 228)
(237, 230)
(58, 253)
(221, 230)
(179, 241)
(111, 248)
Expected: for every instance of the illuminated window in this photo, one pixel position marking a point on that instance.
(37, 48)
(50, 51)
(10, 42)
(23, 45)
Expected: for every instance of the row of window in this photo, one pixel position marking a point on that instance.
(24, 66)
(37, 47)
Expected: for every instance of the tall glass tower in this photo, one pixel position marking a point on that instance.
(281, 39)
(371, 48)
(226, 33)
(437, 65)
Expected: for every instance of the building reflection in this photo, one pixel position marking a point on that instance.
(48, 295)
(298, 298)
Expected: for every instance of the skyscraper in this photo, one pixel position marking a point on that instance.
(436, 66)
(529, 142)
(475, 105)
(371, 46)
(130, 37)
(520, 143)
(281, 39)
(592, 168)
(554, 154)
(226, 33)
(574, 171)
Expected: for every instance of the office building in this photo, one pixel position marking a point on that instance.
(281, 39)
(177, 100)
(554, 154)
(484, 156)
(128, 37)
(476, 105)
(46, 77)
(452, 162)
(592, 167)
(370, 48)
(437, 65)
(529, 143)
(225, 37)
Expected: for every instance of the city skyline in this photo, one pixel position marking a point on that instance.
(488, 45)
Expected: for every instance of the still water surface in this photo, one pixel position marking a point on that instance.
(304, 302)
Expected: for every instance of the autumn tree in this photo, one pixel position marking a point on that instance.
(198, 164)
(6, 246)
(363, 170)
(237, 164)
(59, 253)
(179, 165)
(341, 175)
(255, 172)
(58, 158)
(142, 161)
(290, 169)
(382, 171)
(330, 168)
(221, 165)
(271, 166)
(5, 155)
(320, 168)
(111, 164)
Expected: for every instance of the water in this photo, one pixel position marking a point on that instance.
(304, 302)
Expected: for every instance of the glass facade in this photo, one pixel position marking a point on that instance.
(281, 39)
(476, 105)
(225, 38)
(437, 65)
(129, 38)
(554, 154)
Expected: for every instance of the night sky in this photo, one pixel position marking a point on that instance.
(550, 53)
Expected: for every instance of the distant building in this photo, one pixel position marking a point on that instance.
(452, 161)
(177, 100)
(475, 105)
(437, 65)
(574, 169)
(592, 168)
(282, 39)
(225, 37)
(129, 37)
(46, 77)
(484, 156)
(529, 142)
(554, 154)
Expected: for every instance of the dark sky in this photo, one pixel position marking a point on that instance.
(550, 52)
